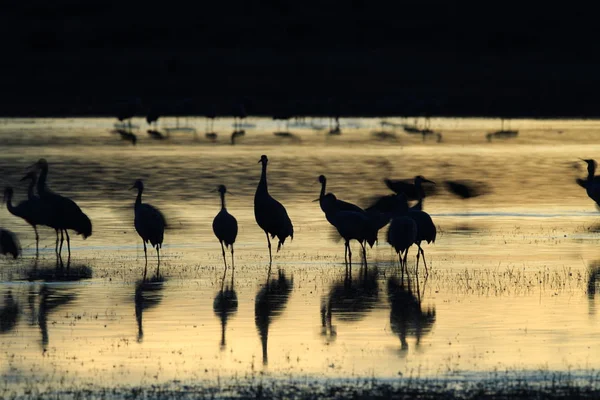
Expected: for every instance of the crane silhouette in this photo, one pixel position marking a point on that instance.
(402, 233)
(29, 210)
(59, 212)
(340, 205)
(350, 225)
(9, 244)
(592, 183)
(420, 192)
(149, 224)
(225, 227)
(409, 188)
(270, 214)
(426, 231)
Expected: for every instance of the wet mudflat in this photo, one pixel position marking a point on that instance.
(510, 295)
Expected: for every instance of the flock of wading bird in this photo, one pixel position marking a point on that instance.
(407, 225)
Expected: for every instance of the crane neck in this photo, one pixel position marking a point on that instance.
(138, 200)
(41, 183)
(223, 201)
(591, 171)
(262, 185)
(323, 184)
(9, 205)
(31, 190)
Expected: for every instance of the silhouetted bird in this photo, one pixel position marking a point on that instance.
(592, 182)
(339, 205)
(59, 212)
(270, 302)
(419, 180)
(157, 135)
(467, 189)
(409, 188)
(149, 224)
(9, 244)
(350, 225)
(426, 231)
(225, 227)
(128, 109)
(30, 210)
(128, 136)
(236, 134)
(402, 232)
(152, 117)
(270, 214)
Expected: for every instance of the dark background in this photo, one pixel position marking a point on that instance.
(358, 57)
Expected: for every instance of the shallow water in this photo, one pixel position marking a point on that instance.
(513, 273)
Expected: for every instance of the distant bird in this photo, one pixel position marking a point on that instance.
(270, 214)
(149, 224)
(592, 182)
(152, 117)
(210, 115)
(467, 189)
(59, 212)
(409, 188)
(236, 134)
(30, 210)
(154, 134)
(239, 113)
(128, 109)
(9, 244)
(225, 226)
(212, 136)
(402, 233)
(127, 136)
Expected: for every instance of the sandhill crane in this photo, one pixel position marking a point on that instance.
(9, 244)
(225, 226)
(29, 210)
(402, 233)
(270, 214)
(350, 225)
(592, 183)
(149, 224)
(466, 188)
(127, 136)
(409, 188)
(426, 231)
(340, 205)
(59, 212)
(236, 134)
(419, 179)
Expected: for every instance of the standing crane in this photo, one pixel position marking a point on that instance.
(402, 233)
(270, 214)
(59, 212)
(225, 226)
(149, 224)
(592, 183)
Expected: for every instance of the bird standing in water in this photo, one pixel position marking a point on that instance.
(592, 183)
(149, 224)
(270, 214)
(225, 226)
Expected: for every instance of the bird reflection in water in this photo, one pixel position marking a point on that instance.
(225, 305)
(9, 313)
(147, 295)
(592, 287)
(407, 317)
(51, 298)
(270, 302)
(350, 300)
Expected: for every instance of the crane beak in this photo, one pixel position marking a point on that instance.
(33, 166)
(131, 188)
(24, 178)
(316, 200)
(428, 181)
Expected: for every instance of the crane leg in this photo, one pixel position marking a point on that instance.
(146, 257)
(62, 240)
(158, 265)
(405, 261)
(56, 246)
(418, 256)
(364, 254)
(68, 242)
(349, 256)
(232, 264)
(37, 242)
(223, 250)
(346, 254)
(424, 262)
(269, 243)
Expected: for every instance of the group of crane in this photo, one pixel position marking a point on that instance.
(407, 225)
